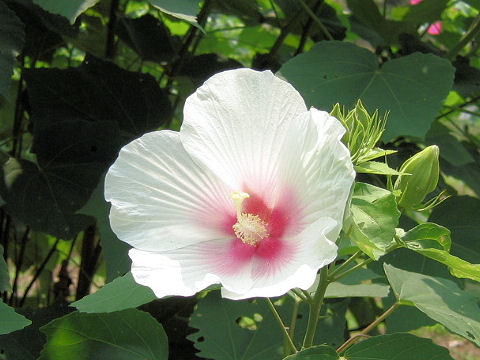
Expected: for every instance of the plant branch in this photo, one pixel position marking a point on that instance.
(18, 266)
(369, 328)
(315, 308)
(316, 19)
(111, 27)
(281, 324)
(39, 271)
(306, 29)
(472, 32)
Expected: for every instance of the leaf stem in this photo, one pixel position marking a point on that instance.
(344, 264)
(315, 307)
(352, 269)
(369, 328)
(282, 325)
(472, 32)
(316, 19)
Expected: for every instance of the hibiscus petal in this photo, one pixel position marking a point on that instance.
(161, 200)
(317, 166)
(190, 269)
(313, 250)
(236, 123)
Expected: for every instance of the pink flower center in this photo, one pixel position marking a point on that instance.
(249, 228)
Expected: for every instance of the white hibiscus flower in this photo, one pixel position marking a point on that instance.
(249, 194)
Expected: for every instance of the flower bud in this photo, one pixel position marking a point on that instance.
(423, 168)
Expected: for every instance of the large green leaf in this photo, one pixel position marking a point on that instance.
(92, 110)
(129, 334)
(460, 215)
(397, 347)
(115, 252)
(433, 241)
(122, 293)
(148, 37)
(221, 336)
(321, 352)
(12, 39)
(411, 88)
(440, 299)
(375, 216)
(71, 9)
(11, 321)
(182, 9)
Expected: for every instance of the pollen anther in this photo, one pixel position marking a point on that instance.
(249, 228)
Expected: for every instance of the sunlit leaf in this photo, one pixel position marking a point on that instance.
(375, 167)
(375, 216)
(71, 9)
(11, 321)
(340, 290)
(410, 88)
(120, 294)
(182, 9)
(129, 334)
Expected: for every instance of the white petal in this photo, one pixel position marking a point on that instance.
(235, 125)
(188, 270)
(314, 251)
(161, 199)
(316, 163)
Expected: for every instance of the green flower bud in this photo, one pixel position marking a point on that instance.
(423, 168)
(363, 131)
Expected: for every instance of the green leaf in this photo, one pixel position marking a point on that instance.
(427, 11)
(321, 352)
(220, 333)
(396, 347)
(440, 299)
(71, 9)
(460, 215)
(411, 88)
(426, 239)
(182, 9)
(115, 252)
(128, 334)
(340, 290)
(374, 154)
(11, 321)
(148, 37)
(122, 293)
(92, 110)
(4, 277)
(375, 167)
(49, 201)
(375, 216)
(12, 38)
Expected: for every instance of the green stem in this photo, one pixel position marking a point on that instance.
(315, 308)
(282, 325)
(352, 269)
(369, 328)
(316, 19)
(344, 264)
(469, 36)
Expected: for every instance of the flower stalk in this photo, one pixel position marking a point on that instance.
(315, 308)
(281, 324)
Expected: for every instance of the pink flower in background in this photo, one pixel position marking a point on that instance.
(250, 194)
(433, 29)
